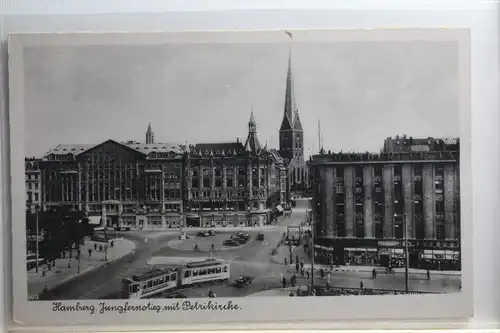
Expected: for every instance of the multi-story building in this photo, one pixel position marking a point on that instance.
(233, 183)
(155, 184)
(404, 144)
(125, 182)
(364, 203)
(33, 183)
(291, 139)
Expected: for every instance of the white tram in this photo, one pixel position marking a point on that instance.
(158, 281)
(149, 284)
(210, 270)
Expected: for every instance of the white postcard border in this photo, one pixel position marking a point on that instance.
(265, 311)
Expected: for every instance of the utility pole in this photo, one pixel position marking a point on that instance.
(37, 241)
(313, 252)
(407, 259)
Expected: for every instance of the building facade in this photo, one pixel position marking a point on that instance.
(233, 183)
(158, 185)
(291, 139)
(33, 183)
(364, 203)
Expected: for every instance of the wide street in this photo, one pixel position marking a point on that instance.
(252, 259)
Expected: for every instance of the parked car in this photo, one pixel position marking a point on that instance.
(211, 232)
(241, 235)
(230, 242)
(242, 281)
(203, 233)
(240, 240)
(260, 236)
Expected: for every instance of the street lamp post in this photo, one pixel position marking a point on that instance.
(37, 240)
(407, 259)
(313, 253)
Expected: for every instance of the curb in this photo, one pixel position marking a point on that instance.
(64, 282)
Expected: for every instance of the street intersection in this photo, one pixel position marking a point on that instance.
(251, 259)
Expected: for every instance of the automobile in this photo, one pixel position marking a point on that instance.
(203, 233)
(260, 236)
(230, 242)
(211, 232)
(240, 240)
(242, 281)
(241, 235)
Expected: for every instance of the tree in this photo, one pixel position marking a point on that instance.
(62, 229)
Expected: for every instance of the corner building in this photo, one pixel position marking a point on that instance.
(362, 201)
(232, 183)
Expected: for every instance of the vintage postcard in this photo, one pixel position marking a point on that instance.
(232, 177)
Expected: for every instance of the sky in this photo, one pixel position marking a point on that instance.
(361, 92)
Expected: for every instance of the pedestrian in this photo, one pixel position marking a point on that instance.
(133, 252)
(428, 274)
(64, 254)
(297, 266)
(374, 274)
(112, 244)
(90, 253)
(361, 285)
(301, 265)
(69, 264)
(322, 273)
(44, 272)
(95, 246)
(286, 262)
(297, 259)
(308, 274)
(284, 281)
(46, 289)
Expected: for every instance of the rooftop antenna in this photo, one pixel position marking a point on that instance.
(319, 135)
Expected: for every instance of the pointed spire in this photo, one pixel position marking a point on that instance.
(297, 125)
(290, 93)
(150, 136)
(252, 125)
(252, 143)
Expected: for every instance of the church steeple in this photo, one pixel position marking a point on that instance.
(290, 93)
(150, 136)
(252, 145)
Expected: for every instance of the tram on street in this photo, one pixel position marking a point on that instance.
(162, 280)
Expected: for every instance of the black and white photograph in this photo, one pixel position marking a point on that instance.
(286, 167)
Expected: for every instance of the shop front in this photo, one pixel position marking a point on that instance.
(423, 254)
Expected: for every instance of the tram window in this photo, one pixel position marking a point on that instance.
(162, 280)
(143, 286)
(150, 284)
(225, 269)
(135, 288)
(210, 271)
(218, 269)
(173, 277)
(155, 282)
(195, 273)
(203, 272)
(187, 274)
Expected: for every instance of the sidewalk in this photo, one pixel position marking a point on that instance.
(61, 272)
(283, 252)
